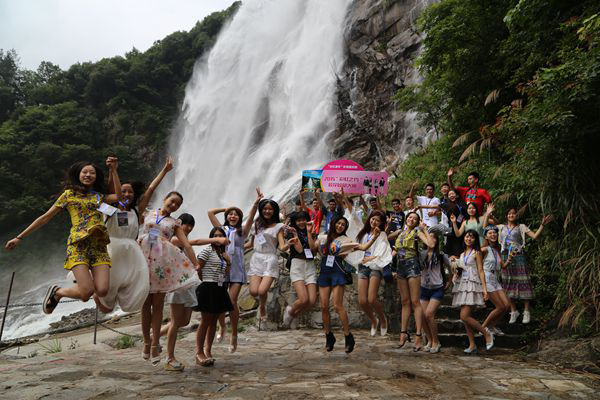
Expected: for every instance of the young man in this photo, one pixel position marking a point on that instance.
(334, 210)
(429, 205)
(473, 193)
(315, 213)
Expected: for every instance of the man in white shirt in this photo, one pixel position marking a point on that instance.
(429, 205)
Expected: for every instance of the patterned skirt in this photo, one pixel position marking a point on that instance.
(515, 278)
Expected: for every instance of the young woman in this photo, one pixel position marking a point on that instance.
(169, 269)
(237, 236)
(264, 264)
(129, 280)
(370, 270)
(408, 274)
(303, 274)
(515, 278)
(334, 248)
(492, 265)
(432, 290)
(83, 198)
(213, 298)
(454, 205)
(182, 302)
(471, 290)
(473, 222)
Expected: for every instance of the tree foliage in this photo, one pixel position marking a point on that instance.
(515, 87)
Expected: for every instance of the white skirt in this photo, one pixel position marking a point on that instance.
(491, 282)
(264, 264)
(129, 277)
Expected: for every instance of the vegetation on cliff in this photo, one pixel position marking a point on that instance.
(513, 90)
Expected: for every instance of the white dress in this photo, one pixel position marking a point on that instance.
(129, 280)
(469, 290)
(264, 261)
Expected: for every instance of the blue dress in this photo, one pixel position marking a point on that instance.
(235, 249)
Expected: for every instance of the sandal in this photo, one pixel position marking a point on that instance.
(203, 362)
(174, 365)
(420, 346)
(50, 301)
(155, 360)
(406, 340)
(146, 356)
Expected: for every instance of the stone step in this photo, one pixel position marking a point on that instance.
(460, 340)
(457, 326)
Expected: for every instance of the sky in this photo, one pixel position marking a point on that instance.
(65, 32)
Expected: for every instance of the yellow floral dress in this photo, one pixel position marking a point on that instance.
(88, 237)
(170, 269)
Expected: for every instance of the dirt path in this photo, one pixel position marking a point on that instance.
(280, 365)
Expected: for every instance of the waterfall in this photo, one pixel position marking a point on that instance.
(260, 106)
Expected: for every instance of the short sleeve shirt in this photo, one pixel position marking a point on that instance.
(86, 220)
(426, 201)
(396, 220)
(477, 196)
(214, 266)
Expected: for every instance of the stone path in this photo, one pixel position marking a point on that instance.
(282, 365)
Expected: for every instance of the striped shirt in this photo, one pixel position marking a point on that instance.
(214, 266)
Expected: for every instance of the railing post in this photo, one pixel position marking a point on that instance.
(95, 324)
(12, 278)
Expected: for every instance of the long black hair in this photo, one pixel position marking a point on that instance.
(332, 233)
(72, 178)
(476, 244)
(238, 226)
(367, 227)
(138, 191)
(219, 248)
(261, 221)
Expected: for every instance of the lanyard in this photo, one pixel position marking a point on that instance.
(303, 238)
(507, 239)
(158, 221)
(124, 205)
(496, 255)
(466, 258)
(97, 195)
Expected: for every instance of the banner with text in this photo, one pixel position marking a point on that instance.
(354, 182)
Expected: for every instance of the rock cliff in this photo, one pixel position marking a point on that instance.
(382, 44)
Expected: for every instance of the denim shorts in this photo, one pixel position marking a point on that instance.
(435, 294)
(365, 272)
(409, 268)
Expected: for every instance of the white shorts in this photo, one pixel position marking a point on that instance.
(186, 296)
(264, 264)
(303, 270)
(491, 281)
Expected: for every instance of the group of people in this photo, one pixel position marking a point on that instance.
(119, 252)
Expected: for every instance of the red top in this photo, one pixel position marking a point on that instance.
(477, 196)
(316, 217)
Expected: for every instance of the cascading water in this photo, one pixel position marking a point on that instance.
(259, 108)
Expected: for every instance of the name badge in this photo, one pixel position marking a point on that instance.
(367, 253)
(401, 254)
(153, 235)
(261, 239)
(330, 261)
(459, 218)
(308, 253)
(107, 209)
(123, 219)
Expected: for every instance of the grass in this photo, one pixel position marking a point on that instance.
(125, 342)
(53, 346)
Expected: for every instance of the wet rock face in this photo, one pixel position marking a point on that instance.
(382, 45)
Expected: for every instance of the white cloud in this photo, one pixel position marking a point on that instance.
(70, 31)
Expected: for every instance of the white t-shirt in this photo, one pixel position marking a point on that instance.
(426, 201)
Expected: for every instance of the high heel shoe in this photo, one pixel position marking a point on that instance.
(155, 360)
(405, 340)
(382, 329)
(174, 366)
(470, 350)
(489, 345)
(374, 329)
(349, 343)
(420, 346)
(329, 341)
(146, 356)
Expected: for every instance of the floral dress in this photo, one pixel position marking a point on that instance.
(170, 269)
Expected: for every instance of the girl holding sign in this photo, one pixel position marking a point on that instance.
(303, 273)
(370, 270)
(83, 198)
(333, 277)
(264, 264)
(170, 269)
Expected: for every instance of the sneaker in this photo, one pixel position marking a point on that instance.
(526, 317)
(513, 316)
(497, 332)
(287, 316)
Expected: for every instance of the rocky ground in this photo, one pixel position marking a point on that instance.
(277, 364)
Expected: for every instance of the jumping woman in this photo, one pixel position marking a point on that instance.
(408, 274)
(334, 248)
(83, 197)
(237, 236)
(470, 290)
(370, 270)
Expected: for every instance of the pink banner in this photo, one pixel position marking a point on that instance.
(358, 182)
(343, 164)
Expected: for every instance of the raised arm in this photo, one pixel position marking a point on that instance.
(302, 203)
(220, 241)
(212, 216)
(187, 248)
(457, 231)
(365, 246)
(411, 192)
(345, 201)
(152, 188)
(546, 220)
(450, 173)
(425, 236)
(363, 204)
(486, 215)
(113, 164)
(252, 212)
(38, 223)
